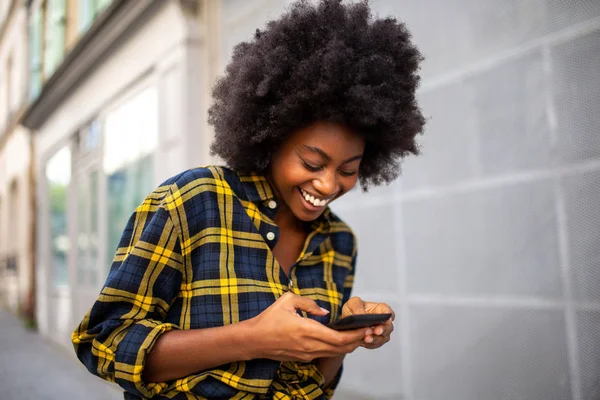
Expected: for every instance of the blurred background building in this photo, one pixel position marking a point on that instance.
(488, 247)
(16, 207)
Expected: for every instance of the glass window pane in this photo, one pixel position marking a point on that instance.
(85, 15)
(101, 5)
(93, 231)
(58, 177)
(55, 35)
(130, 139)
(35, 53)
(82, 227)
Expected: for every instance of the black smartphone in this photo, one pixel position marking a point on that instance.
(359, 321)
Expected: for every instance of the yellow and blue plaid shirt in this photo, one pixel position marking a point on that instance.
(197, 253)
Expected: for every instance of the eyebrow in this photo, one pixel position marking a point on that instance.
(327, 157)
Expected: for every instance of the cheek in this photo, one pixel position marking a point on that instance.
(291, 176)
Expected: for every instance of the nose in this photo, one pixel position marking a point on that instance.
(326, 184)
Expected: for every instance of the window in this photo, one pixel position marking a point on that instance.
(58, 178)
(130, 139)
(35, 53)
(87, 229)
(88, 10)
(101, 5)
(54, 50)
(85, 17)
(86, 178)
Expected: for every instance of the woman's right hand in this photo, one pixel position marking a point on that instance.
(279, 333)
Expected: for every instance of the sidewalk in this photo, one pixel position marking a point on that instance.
(30, 368)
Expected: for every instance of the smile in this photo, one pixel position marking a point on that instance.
(313, 200)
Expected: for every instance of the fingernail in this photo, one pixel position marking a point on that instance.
(379, 331)
(369, 332)
(324, 310)
(369, 339)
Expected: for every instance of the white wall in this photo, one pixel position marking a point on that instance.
(13, 46)
(14, 156)
(14, 162)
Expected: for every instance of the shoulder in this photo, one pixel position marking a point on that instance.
(343, 238)
(199, 186)
(203, 179)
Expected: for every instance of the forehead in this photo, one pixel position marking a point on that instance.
(334, 139)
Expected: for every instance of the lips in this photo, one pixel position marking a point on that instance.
(314, 200)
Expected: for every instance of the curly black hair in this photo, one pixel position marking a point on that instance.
(326, 62)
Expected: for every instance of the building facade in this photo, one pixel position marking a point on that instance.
(487, 247)
(16, 208)
(122, 110)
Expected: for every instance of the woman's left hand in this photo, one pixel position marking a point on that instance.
(381, 333)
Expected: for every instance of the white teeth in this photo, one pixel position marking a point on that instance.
(312, 200)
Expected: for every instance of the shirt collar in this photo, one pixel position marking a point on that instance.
(258, 189)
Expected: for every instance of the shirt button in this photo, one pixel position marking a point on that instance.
(270, 236)
(272, 204)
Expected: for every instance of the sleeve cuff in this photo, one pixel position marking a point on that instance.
(131, 355)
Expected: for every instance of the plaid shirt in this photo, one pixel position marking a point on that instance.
(197, 254)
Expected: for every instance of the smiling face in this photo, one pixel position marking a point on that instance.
(314, 166)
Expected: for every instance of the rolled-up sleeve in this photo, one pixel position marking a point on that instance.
(116, 335)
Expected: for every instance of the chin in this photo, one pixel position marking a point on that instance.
(307, 216)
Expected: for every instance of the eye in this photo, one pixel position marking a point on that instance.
(347, 173)
(312, 168)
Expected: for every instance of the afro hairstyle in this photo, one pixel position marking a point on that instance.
(330, 62)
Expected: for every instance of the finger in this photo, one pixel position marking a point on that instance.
(305, 304)
(333, 351)
(384, 329)
(342, 338)
(379, 308)
(338, 350)
(356, 306)
(377, 341)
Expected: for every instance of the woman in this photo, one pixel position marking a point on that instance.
(225, 278)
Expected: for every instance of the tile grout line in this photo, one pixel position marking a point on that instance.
(488, 301)
(405, 364)
(468, 186)
(504, 180)
(552, 38)
(568, 292)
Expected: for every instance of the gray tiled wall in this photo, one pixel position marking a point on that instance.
(498, 241)
(488, 247)
(582, 208)
(588, 336)
(497, 225)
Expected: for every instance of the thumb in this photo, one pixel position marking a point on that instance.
(307, 305)
(356, 306)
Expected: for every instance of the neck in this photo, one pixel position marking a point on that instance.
(285, 218)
